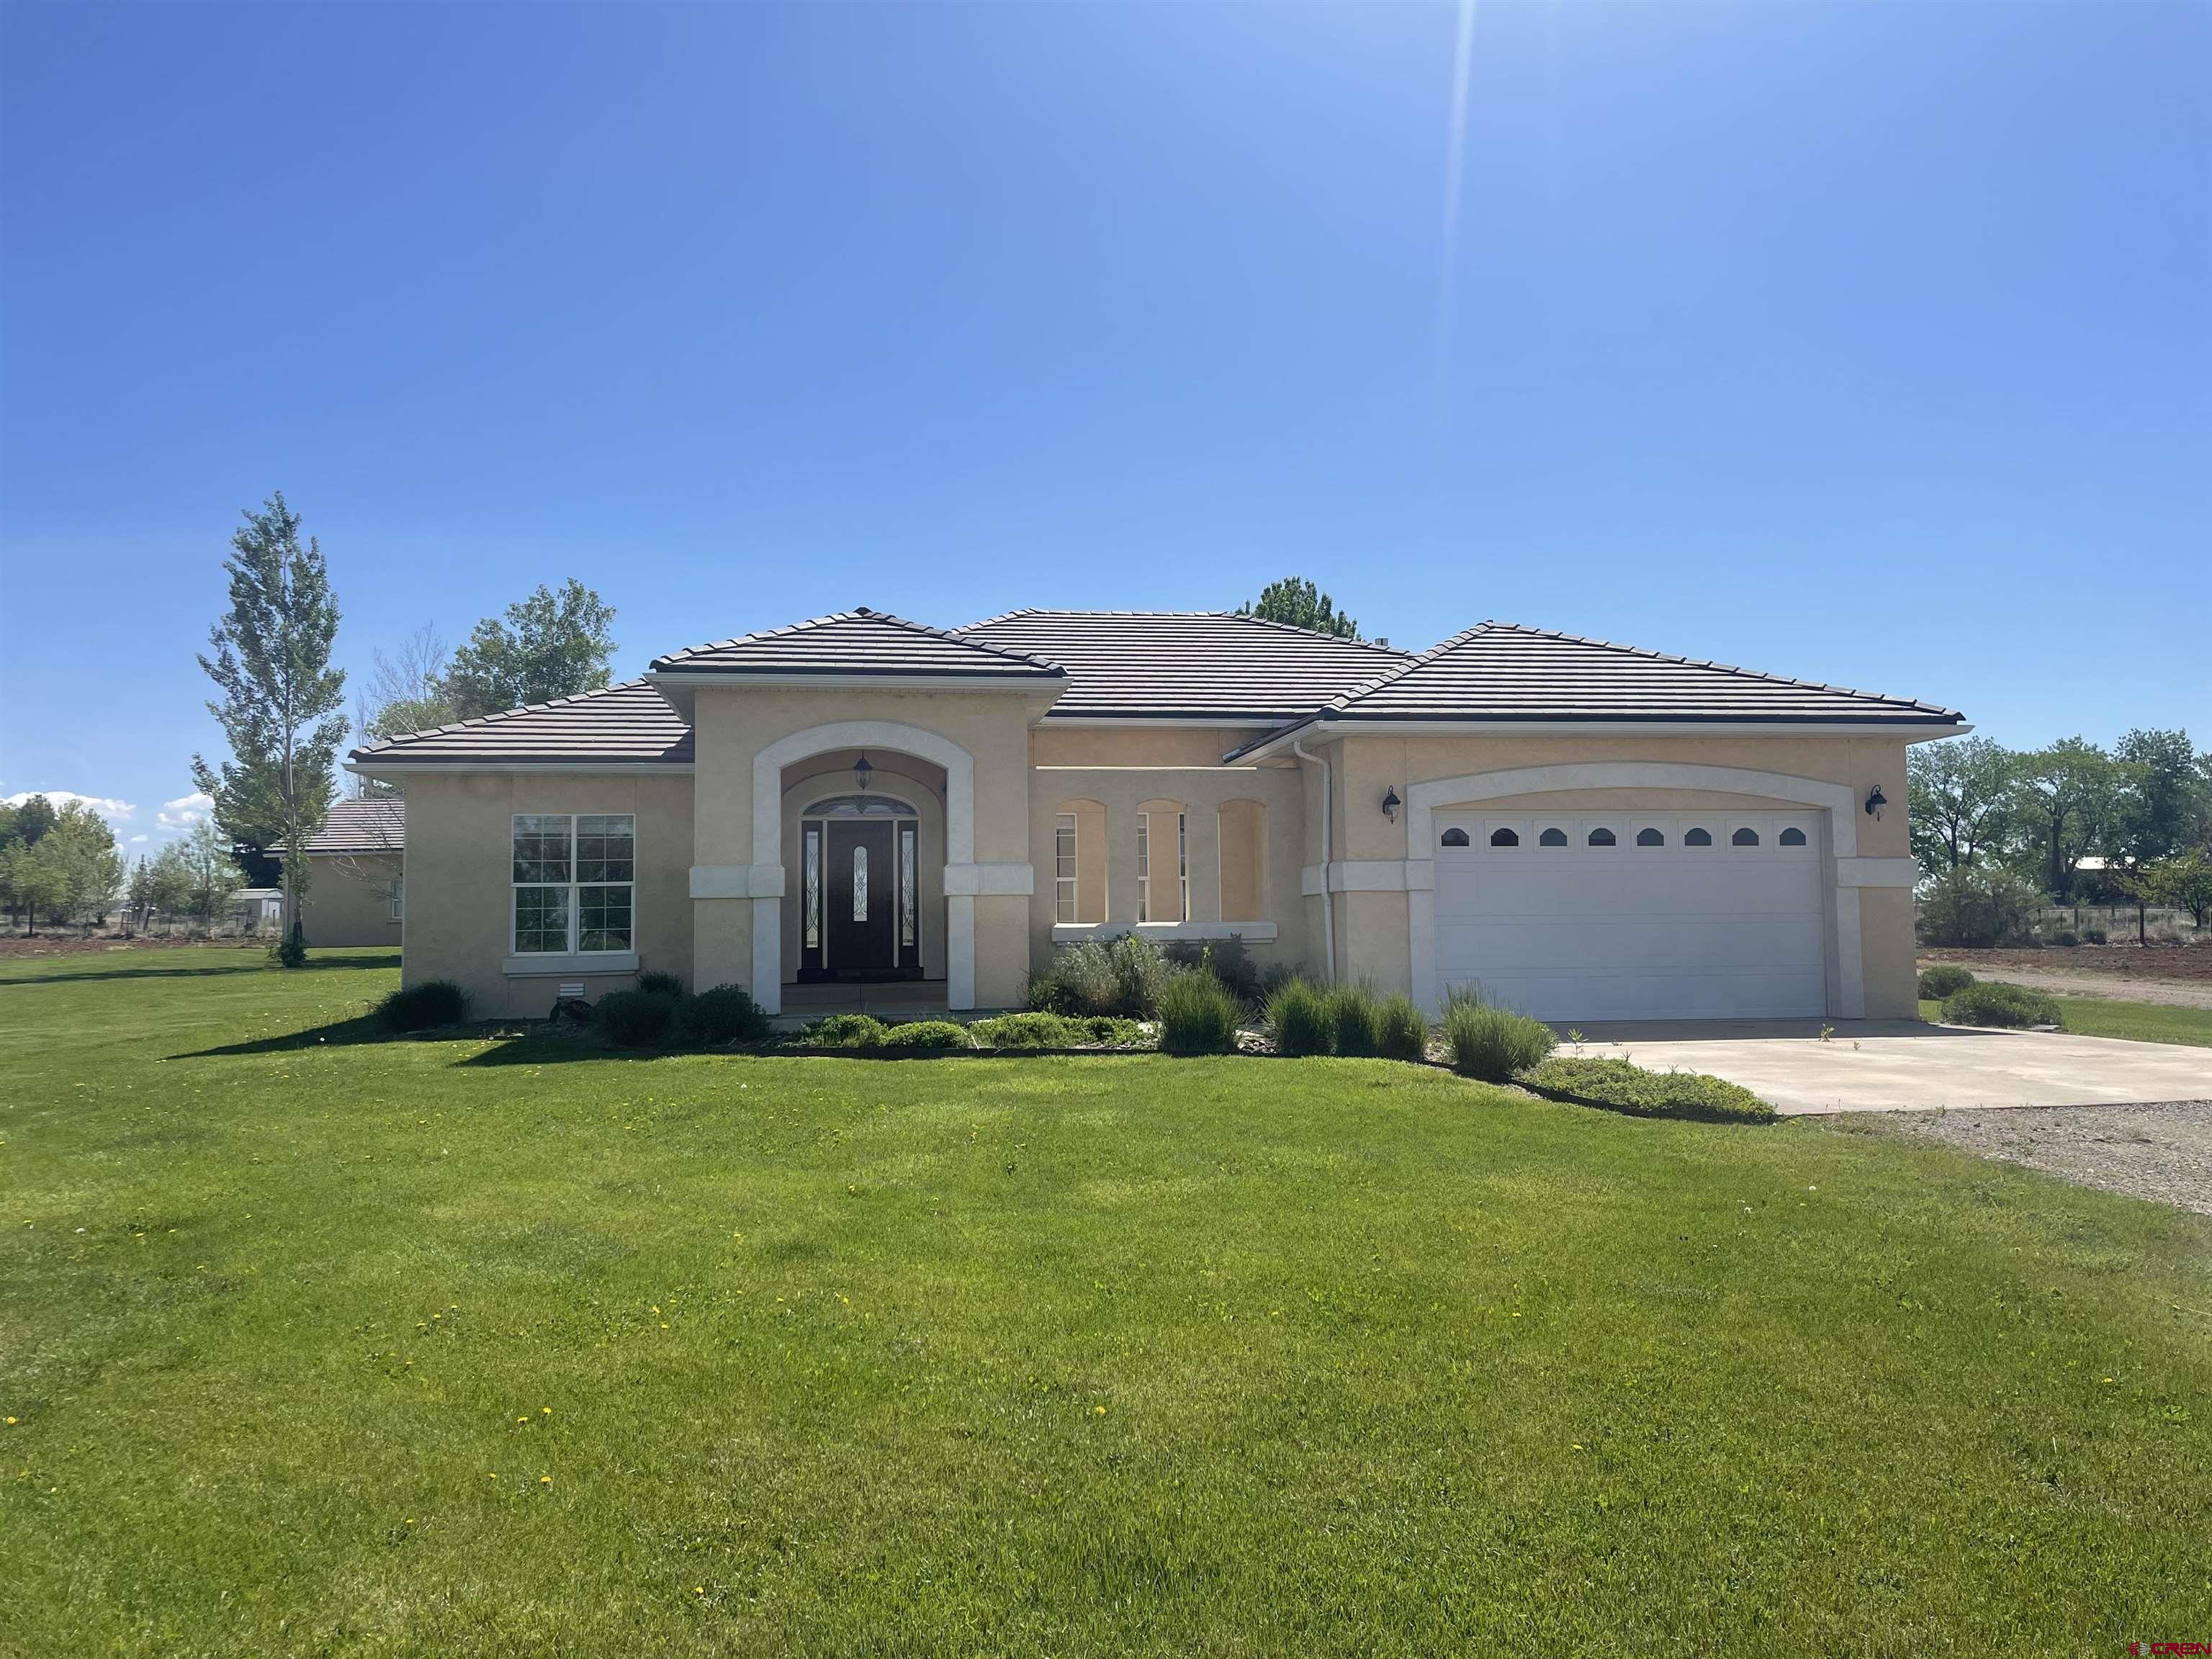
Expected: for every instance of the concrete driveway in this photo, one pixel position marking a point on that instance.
(1904, 1066)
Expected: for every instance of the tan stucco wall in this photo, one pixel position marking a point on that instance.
(349, 900)
(460, 878)
(1371, 928)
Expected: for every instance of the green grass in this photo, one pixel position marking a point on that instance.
(1069, 1356)
(2139, 1021)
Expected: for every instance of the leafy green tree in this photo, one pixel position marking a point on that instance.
(1959, 791)
(1297, 602)
(2068, 798)
(283, 706)
(549, 644)
(209, 874)
(2165, 802)
(71, 873)
(2184, 881)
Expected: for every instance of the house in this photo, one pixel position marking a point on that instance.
(1584, 830)
(356, 891)
(253, 908)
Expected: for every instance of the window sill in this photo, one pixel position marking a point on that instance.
(585, 962)
(1070, 933)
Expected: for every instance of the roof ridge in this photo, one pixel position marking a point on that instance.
(497, 715)
(1310, 633)
(1210, 616)
(1408, 665)
(1718, 667)
(859, 613)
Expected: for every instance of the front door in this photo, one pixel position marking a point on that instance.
(861, 902)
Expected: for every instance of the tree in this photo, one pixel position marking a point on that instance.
(1958, 791)
(2069, 797)
(71, 873)
(547, 646)
(282, 705)
(207, 874)
(2184, 881)
(1297, 602)
(406, 692)
(2165, 802)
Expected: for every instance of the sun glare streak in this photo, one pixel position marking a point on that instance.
(1455, 154)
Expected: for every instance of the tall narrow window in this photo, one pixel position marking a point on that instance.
(1144, 867)
(1063, 866)
(1182, 867)
(575, 882)
(906, 886)
(813, 890)
(859, 884)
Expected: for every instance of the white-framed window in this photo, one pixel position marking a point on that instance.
(1063, 865)
(1144, 867)
(400, 901)
(575, 882)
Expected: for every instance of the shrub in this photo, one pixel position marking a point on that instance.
(1140, 973)
(292, 951)
(2093, 936)
(1977, 907)
(422, 1007)
(1197, 1014)
(1050, 995)
(660, 985)
(1401, 1029)
(634, 1019)
(2066, 937)
(1494, 1044)
(1631, 1088)
(1120, 978)
(1038, 1029)
(1297, 1019)
(1352, 1010)
(927, 1034)
(724, 1015)
(1110, 1032)
(1229, 960)
(1998, 1004)
(846, 1031)
(1939, 981)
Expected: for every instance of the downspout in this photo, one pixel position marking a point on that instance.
(1327, 898)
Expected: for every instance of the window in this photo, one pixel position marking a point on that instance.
(1698, 838)
(1063, 866)
(1601, 837)
(576, 881)
(1503, 838)
(813, 889)
(1144, 867)
(1554, 836)
(1746, 837)
(1455, 837)
(906, 885)
(400, 901)
(859, 884)
(1793, 837)
(1650, 838)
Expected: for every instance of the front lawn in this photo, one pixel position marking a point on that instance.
(317, 1345)
(2138, 1022)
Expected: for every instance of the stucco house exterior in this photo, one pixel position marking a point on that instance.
(1586, 830)
(357, 891)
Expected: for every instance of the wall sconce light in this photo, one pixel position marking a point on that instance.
(1390, 806)
(862, 772)
(1876, 801)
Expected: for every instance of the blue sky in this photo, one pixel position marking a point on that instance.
(1870, 343)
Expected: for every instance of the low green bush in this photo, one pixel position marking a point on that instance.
(2093, 936)
(2066, 939)
(1037, 1029)
(660, 985)
(1120, 978)
(634, 1019)
(1352, 1010)
(725, 1015)
(1198, 1015)
(1494, 1044)
(423, 1007)
(1297, 1019)
(1939, 981)
(927, 1034)
(1627, 1087)
(1401, 1029)
(844, 1032)
(1996, 1003)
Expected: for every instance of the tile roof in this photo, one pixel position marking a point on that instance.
(628, 722)
(1210, 665)
(377, 825)
(1502, 672)
(857, 642)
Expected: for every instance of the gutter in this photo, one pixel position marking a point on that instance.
(1327, 898)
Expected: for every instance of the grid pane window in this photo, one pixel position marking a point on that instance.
(575, 883)
(1063, 865)
(1143, 868)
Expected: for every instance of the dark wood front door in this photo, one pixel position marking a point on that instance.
(861, 901)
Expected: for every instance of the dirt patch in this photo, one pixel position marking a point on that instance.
(2128, 965)
(2166, 993)
(20, 945)
(2163, 1153)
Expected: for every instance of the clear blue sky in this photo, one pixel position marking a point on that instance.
(1867, 342)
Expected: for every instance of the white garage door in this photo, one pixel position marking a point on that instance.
(1672, 917)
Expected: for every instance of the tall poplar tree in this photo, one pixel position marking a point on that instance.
(283, 706)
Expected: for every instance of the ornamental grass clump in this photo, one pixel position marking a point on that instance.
(1297, 1019)
(635, 1019)
(1996, 1003)
(660, 984)
(1943, 980)
(1352, 1012)
(1401, 1029)
(423, 1007)
(1198, 1014)
(1494, 1044)
(716, 1018)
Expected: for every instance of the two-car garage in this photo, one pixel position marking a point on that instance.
(1623, 916)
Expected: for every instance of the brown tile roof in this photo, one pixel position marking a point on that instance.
(377, 825)
(628, 722)
(1193, 665)
(858, 641)
(1502, 672)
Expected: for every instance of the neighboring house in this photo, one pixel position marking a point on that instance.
(253, 908)
(356, 887)
(1584, 830)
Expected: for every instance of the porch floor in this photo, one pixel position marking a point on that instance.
(887, 1000)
